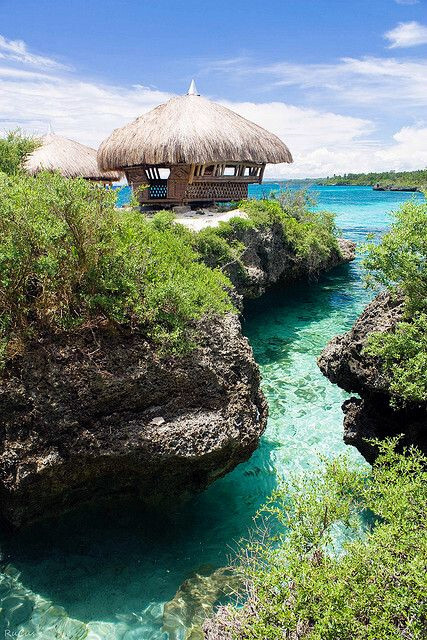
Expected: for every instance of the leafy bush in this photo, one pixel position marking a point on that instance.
(319, 571)
(262, 213)
(214, 248)
(399, 262)
(403, 354)
(163, 220)
(311, 234)
(13, 150)
(400, 259)
(67, 257)
(293, 203)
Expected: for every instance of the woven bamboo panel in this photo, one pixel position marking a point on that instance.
(216, 191)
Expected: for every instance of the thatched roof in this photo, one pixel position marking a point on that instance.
(70, 158)
(191, 130)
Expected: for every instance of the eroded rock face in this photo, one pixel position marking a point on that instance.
(269, 259)
(371, 415)
(103, 414)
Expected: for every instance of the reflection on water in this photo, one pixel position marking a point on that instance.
(106, 573)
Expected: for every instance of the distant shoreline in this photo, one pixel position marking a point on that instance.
(386, 180)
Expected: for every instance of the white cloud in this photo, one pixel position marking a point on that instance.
(406, 152)
(407, 34)
(322, 142)
(85, 111)
(407, 2)
(366, 81)
(17, 51)
(303, 129)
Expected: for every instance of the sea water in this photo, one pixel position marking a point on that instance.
(108, 573)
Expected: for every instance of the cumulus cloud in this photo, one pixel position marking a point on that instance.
(88, 112)
(407, 34)
(323, 142)
(407, 151)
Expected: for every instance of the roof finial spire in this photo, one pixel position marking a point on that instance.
(192, 91)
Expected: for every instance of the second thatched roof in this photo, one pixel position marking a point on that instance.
(190, 129)
(71, 159)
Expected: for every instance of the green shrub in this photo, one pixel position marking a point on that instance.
(311, 234)
(13, 150)
(399, 262)
(67, 257)
(213, 247)
(403, 354)
(163, 220)
(262, 213)
(293, 203)
(400, 259)
(340, 555)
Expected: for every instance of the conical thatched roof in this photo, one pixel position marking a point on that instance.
(190, 129)
(70, 158)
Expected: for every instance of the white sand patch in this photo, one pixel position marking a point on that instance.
(197, 221)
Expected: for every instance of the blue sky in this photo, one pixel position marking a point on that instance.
(343, 82)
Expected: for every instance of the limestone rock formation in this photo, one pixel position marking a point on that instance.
(96, 414)
(371, 415)
(103, 414)
(270, 259)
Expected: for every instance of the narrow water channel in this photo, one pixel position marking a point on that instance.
(107, 573)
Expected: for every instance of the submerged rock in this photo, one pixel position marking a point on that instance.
(184, 615)
(100, 414)
(371, 415)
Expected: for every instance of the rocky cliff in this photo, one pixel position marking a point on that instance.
(269, 258)
(97, 414)
(103, 414)
(371, 415)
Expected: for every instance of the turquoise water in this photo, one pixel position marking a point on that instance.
(107, 573)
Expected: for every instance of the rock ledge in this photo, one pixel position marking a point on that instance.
(371, 415)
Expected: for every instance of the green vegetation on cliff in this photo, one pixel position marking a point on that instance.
(304, 582)
(311, 236)
(399, 262)
(386, 178)
(69, 258)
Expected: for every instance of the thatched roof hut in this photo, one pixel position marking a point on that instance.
(71, 159)
(211, 152)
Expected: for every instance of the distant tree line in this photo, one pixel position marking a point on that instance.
(386, 178)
